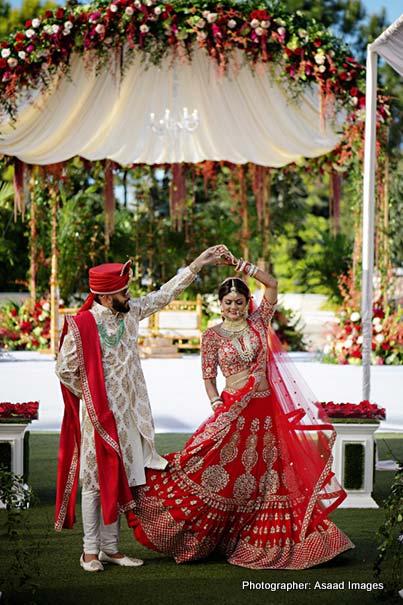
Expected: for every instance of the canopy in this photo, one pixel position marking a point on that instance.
(389, 45)
(245, 116)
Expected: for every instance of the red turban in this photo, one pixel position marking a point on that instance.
(109, 278)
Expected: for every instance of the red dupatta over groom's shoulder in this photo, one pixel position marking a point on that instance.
(114, 488)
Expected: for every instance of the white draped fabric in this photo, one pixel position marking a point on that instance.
(244, 117)
(389, 45)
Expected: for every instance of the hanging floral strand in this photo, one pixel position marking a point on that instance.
(178, 195)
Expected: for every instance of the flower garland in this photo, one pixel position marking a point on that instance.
(27, 410)
(106, 29)
(364, 409)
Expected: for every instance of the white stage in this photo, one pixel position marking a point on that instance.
(176, 389)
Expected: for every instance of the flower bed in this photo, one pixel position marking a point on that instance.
(25, 327)
(18, 412)
(345, 336)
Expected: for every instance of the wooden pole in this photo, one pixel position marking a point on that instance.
(54, 287)
(33, 245)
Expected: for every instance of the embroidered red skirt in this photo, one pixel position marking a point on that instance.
(236, 488)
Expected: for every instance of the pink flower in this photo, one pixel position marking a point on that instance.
(144, 28)
(12, 62)
(100, 29)
(231, 23)
(129, 10)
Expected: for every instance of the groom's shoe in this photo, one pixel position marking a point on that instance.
(94, 565)
(123, 561)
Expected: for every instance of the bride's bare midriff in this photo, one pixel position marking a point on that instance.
(237, 381)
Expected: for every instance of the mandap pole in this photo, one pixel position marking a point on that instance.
(368, 220)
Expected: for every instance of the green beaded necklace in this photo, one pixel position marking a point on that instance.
(114, 340)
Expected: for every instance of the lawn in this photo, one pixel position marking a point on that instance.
(50, 560)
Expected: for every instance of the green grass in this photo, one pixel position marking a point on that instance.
(51, 558)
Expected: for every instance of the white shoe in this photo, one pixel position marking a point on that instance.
(123, 561)
(94, 565)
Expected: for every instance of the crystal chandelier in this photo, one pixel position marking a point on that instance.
(174, 123)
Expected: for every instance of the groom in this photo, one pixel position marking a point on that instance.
(99, 363)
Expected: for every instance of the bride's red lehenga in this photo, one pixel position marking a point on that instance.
(254, 482)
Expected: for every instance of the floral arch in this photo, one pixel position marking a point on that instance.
(270, 87)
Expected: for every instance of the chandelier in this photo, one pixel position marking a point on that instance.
(174, 122)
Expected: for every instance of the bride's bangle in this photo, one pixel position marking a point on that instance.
(215, 401)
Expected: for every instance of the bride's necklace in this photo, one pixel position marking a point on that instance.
(230, 327)
(237, 329)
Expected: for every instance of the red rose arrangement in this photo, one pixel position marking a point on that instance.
(27, 410)
(364, 409)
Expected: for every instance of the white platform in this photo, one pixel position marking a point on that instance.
(177, 394)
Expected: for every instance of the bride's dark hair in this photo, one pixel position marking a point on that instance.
(229, 283)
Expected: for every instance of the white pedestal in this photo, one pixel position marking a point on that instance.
(14, 434)
(363, 434)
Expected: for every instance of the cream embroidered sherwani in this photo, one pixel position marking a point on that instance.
(124, 382)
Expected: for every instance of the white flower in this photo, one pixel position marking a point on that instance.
(201, 36)
(275, 325)
(212, 17)
(231, 23)
(129, 11)
(55, 28)
(378, 327)
(137, 3)
(22, 54)
(6, 52)
(355, 316)
(281, 31)
(376, 320)
(255, 23)
(157, 10)
(144, 28)
(265, 24)
(354, 100)
(48, 29)
(99, 28)
(359, 340)
(201, 23)
(149, 2)
(12, 62)
(259, 31)
(29, 33)
(113, 8)
(348, 343)
(205, 14)
(320, 58)
(327, 349)
(68, 25)
(36, 22)
(322, 68)
(46, 305)
(331, 53)
(339, 347)
(379, 338)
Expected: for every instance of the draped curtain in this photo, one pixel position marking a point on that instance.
(245, 116)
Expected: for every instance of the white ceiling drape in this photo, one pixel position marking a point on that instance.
(389, 45)
(244, 117)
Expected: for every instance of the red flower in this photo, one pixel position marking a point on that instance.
(19, 37)
(59, 13)
(3, 65)
(317, 42)
(48, 14)
(28, 23)
(354, 91)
